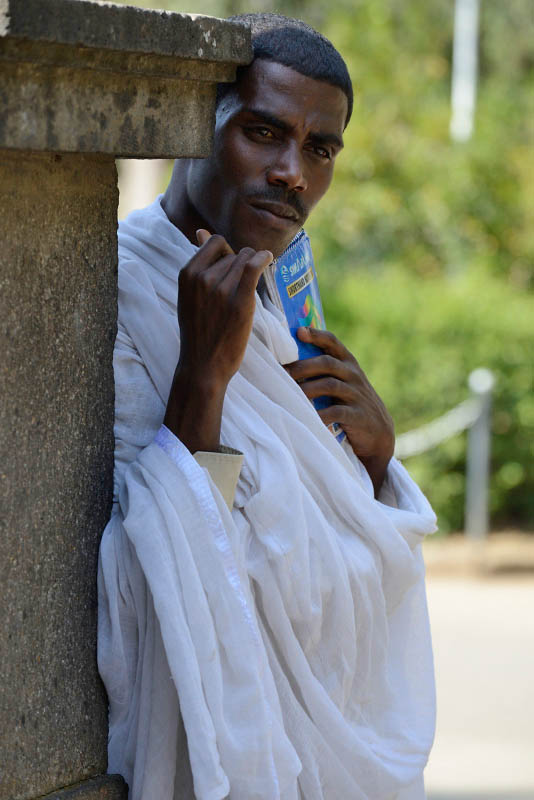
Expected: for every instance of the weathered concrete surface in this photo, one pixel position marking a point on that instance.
(57, 328)
(80, 83)
(105, 787)
(116, 27)
(78, 76)
(70, 110)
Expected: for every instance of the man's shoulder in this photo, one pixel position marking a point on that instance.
(137, 228)
(149, 242)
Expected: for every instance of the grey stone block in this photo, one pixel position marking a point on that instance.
(57, 328)
(82, 82)
(77, 76)
(125, 28)
(69, 110)
(105, 787)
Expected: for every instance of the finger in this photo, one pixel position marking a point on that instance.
(202, 236)
(334, 413)
(318, 366)
(253, 271)
(325, 340)
(194, 288)
(212, 250)
(329, 387)
(212, 275)
(233, 276)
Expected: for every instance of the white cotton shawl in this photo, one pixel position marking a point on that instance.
(290, 635)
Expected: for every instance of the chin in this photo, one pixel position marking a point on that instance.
(252, 227)
(264, 240)
(279, 249)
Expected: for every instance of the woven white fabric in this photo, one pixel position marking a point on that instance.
(294, 629)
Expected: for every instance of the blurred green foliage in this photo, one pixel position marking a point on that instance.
(428, 245)
(425, 246)
(412, 196)
(418, 340)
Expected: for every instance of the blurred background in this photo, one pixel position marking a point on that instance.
(425, 252)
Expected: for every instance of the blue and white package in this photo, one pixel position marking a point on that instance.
(294, 279)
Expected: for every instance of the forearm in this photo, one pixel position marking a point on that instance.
(377, 467)
(194, 410)
(216, 303)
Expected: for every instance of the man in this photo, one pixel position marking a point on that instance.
(258, 579)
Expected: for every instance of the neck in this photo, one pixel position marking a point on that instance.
(177, 205)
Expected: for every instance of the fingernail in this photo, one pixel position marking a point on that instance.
(261, 257)
(202, 234)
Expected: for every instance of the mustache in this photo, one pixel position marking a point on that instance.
(277, 194)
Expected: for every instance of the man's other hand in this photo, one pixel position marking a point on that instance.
(355, 404)
(216, 302)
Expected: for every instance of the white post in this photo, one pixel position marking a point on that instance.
(481, 383)
(464, 69)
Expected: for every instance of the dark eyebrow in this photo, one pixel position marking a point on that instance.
(276, 122)
(327, 138)
(270, 119)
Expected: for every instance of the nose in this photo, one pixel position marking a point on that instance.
(287, 170)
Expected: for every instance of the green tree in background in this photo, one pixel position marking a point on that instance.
(425, 247)
(433, 246)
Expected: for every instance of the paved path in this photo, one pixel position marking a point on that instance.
(483, 631)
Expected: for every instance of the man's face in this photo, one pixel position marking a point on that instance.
(276, 139)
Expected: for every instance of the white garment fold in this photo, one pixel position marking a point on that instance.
(294, 629)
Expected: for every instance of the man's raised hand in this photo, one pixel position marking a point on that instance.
(355, 404)
(216, 302)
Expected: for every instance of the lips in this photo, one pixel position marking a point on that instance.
(279, 210)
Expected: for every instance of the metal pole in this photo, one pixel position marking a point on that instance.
(464, 69)
(481, 383)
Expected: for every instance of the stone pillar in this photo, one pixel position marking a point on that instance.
(80, 83)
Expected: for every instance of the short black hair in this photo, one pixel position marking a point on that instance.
(294, 44)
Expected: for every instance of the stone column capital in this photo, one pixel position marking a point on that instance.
(83, 76)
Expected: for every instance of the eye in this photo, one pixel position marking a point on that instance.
(320, 151)
(260, 131)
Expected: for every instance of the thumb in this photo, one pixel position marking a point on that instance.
(202, 236)
(304, 334)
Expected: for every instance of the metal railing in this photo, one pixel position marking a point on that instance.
(473, 415)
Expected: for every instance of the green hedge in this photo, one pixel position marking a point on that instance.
(418, 340)
(426, 246)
